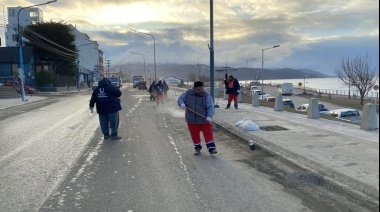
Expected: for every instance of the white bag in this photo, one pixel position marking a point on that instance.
(250, 126)
(239, 124)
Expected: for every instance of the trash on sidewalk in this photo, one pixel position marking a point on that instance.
(247, 125)
(251, 145)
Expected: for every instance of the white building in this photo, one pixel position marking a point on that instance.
(27, 16)
(89, 56)
(172, 80)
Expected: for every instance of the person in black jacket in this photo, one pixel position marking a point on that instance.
(159, 88)
(232, 87)
(166, 88)
(106, 97)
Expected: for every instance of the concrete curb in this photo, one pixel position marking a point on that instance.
(344, 182)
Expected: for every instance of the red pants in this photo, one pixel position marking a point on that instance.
(195, 130)
(232, 96)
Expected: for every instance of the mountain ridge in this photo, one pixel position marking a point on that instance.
(187, 71)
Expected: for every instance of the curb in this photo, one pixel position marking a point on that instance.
(344, 182)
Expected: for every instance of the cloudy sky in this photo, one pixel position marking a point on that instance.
(312, 34)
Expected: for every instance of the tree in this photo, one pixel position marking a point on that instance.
(192, 76)
(359, 73)
(55, 42)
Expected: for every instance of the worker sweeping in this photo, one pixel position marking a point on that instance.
(199, 113)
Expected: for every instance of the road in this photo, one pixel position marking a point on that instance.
(53, 158)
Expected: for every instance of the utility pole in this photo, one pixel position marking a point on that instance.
(108, 67)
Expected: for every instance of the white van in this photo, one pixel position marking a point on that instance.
(286, 88)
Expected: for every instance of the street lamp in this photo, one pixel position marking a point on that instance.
(154, 51)
(262, 69)
(144, 62)
(21, 61)
(304, 84)
(199, 69)
(78, 87)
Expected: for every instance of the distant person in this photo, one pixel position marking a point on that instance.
(199, 113)
(152, 91)
(232, 87)
(166, 88)
(159, 88)
(106, 97)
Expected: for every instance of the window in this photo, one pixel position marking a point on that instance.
(11, 13)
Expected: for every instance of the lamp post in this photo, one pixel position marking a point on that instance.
(144, 62)
(262, 69)
(304, 84)
(21, 61)
(78, 86)
(199, 69)
(154, 51)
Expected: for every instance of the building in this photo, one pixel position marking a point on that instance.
(26, 17)
(9, 62)
(89, 57)
(172, 80)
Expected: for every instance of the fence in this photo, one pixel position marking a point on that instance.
(353, 93)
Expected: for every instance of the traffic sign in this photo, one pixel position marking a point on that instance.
(375, 87)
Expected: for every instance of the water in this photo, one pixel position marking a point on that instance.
(332, 84)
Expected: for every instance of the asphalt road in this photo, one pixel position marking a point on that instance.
(53, 158)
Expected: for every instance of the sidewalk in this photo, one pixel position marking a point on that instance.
(341, 152)
(11, 102)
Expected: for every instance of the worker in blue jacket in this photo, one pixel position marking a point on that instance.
(106, 97)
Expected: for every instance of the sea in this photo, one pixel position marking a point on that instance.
(327, 85)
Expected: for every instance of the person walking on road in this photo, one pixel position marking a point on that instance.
(106, 97)
(159, 88)
(166, 88)
(232, 87)
(151, 90)
(199, 108)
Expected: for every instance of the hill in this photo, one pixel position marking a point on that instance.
(185, 71)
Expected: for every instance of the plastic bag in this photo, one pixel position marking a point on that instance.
(250, 126)
(247, 125)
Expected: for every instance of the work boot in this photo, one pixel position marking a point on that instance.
(228, 106)
(213, 151)
(197, 150)
(236, 106)
(116, 137)
(106, 137)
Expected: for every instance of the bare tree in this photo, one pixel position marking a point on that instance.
(192, 76)
(359, 73)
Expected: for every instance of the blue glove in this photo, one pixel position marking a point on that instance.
(183, 106)
(92, 110)
(209, 119)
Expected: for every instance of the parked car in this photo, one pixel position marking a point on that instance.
(94, 85)
(321, 107)
(263, 97)
(271, 99)
(16, 85)
(288, 102)
(346, 114)
(256, 91)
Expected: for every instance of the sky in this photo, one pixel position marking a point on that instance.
(312, 34)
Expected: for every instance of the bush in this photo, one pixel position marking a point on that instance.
(43, 78)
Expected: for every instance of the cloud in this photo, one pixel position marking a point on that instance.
(313, 34)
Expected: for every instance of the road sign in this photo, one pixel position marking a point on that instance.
(375, 87)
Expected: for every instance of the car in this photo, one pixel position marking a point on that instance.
(346, 114)
(271, 99)
(263, 97)
(256, 91)
(322, 108)
(288, 102)
(16, 85)
(94, 85)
